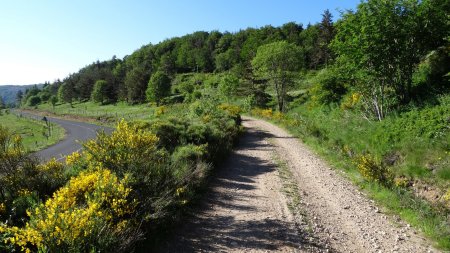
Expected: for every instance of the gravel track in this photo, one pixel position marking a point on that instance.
(249, 209)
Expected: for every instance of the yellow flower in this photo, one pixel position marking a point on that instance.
(24, 192)
(76, 211)
(124, 146)
(2, 209)
(72, 158)
(180, 191)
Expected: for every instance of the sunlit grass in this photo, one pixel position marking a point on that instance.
(34, 133)
(108, 113)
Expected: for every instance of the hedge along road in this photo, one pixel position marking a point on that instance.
(76, 134)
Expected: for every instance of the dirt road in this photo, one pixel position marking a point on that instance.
(274, 195)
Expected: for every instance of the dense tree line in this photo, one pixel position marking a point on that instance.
(389, 53)
(128, 79)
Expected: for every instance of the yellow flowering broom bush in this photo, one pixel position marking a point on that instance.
(233, 111)
(90, 213)
(133, 152)
(371, 170)
(126, 150)
(21, 173)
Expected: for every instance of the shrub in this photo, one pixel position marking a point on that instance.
(33, 100)
(127, 150)
(92, 212)
(133, 152)
(139, 178)
(185, 158)
(401, 182)
(373, 171)
(233, 111)
(428, 123)
(350, 101)
(21, 173)
(189, 152)
(266, 113)
(161, 110)
(170, 132)
(329, 87)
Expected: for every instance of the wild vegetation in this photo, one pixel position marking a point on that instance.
(35, 134)
(370, 92)
(121, 187)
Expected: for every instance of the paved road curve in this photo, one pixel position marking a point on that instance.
(76, 134)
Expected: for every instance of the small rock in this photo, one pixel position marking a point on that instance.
(346, 207)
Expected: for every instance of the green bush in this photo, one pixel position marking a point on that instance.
(33, 100)
(185, 158)
(329, 87)
(430, 122)
(171, 132)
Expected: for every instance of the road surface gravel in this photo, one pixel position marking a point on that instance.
(247, 208)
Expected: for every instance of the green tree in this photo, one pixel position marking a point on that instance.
(380, 46)
(66, 93)
(158, 87)
(278, 62)
(167, 64)
(53, 100)
(228, 86)
(120, 88)
(323, 53)
(309, 41)
(33, 100)
(45, 95)
(19, 97)
(2, 104)
(100, 91)
(291, 32)
(136, 83)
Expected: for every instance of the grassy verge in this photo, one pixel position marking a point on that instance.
(405, 144)
(34, 133)
(109, 114)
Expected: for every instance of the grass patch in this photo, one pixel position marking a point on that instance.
(417, 212)
(110, 113)
(33, 132)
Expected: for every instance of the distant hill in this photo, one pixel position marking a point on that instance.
(8, 92)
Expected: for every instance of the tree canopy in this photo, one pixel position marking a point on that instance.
(278, 62)
(380, 45)
(99, 92)
(158, 87)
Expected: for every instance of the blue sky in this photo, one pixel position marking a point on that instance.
(43, 40)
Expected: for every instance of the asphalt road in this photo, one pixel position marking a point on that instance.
(76, 134)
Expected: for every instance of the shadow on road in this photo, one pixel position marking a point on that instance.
(207, 231)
